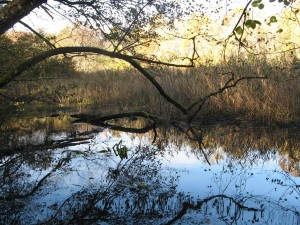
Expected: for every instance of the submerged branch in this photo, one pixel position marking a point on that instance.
(131, 130)
(103, 121)
(97, 120)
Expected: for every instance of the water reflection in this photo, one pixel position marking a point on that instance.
(79, 174)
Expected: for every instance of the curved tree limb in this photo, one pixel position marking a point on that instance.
(158, 87)
(8, 77)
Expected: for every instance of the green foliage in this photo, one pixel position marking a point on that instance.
(252, 23)
(280, 30)
(120, 150)
(273, 19)
(249, 24)
(239, 30)
(17, 47)
(258, 4)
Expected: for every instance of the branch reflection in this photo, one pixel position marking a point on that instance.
(92, 175)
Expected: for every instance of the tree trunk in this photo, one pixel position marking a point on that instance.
(14, 11)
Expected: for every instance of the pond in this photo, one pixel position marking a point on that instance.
(56, 172)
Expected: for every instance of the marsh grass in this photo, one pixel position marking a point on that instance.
(266, 101)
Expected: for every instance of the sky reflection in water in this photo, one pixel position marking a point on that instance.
(95, 183)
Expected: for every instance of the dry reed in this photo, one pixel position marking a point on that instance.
(268, 101)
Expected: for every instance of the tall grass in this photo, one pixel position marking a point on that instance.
(267, 101)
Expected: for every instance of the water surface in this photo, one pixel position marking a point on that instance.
(55, 172)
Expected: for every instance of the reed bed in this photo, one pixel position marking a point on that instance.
(266, 101)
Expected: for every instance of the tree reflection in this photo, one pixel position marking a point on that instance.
(90, 180)
(223, 204)
(136, 187)
(232, 200)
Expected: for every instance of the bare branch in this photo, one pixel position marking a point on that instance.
(129, 28)
(37, 34)
(231, 82)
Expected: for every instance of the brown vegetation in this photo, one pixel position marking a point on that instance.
(96, 84)
(267, 101)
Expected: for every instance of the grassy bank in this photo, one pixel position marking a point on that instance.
(266, 101)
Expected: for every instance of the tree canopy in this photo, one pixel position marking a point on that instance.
(127, 25)
(122, 22)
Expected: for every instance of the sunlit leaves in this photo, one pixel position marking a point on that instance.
(280, 31)
(273, 19)
(261, 6)
(252, 23)
(249, 24)
(258, 4)
(285, 2)
(239, 30)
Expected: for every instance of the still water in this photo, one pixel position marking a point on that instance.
(55, 172)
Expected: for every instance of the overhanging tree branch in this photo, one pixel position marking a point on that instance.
(14, 11)
(8, 77)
